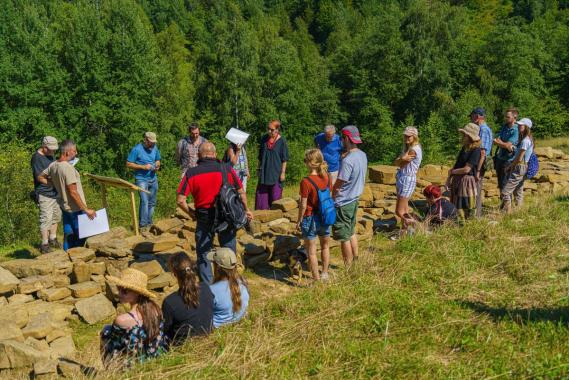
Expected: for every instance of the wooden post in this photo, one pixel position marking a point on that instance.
(104, 195)
(133, 211)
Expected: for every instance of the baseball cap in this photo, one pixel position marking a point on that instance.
(411, 131)
(151, 136)
(479, 111)
(224, 257)
(525, 121)
(50, 142)
(472, 130)
(353, 134)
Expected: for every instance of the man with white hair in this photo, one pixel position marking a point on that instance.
(45, 195)
(330, 145)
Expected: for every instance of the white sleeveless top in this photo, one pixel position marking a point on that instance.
(412, 167)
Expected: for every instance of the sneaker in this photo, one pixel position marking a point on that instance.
(45, 248)
(324, 277)
(55, 243)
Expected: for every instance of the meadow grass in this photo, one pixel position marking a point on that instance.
(488, 300)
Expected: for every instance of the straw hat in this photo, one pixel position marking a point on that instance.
(134, 280)
(471, 130)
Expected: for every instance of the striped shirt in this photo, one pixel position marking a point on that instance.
(413, 166)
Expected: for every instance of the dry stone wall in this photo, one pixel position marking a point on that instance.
(39, 296)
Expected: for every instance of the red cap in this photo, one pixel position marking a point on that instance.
(353, 134)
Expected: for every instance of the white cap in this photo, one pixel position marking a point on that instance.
(525, 121)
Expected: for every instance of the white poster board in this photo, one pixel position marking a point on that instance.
(237, 136)
(88, 227)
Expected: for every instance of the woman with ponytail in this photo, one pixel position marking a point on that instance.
(138, 334)
(309, 219)
(231, 296)
(189, 311)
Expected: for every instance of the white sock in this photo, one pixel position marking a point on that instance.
(44, 242)
(52, 237)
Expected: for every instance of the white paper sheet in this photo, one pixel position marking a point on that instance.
(237, 136)
(88, 227)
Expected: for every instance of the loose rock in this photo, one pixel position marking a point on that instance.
(95, 309)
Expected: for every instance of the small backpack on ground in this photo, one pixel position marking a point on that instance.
(326, 208)
(533, 166)
(229, 209)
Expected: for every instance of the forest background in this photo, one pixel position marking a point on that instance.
(102, 72)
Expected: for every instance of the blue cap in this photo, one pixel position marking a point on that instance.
(479, 111)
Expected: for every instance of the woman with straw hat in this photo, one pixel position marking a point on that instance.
(137, 334)
(462, 177)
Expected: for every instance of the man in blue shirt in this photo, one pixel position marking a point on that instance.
(478, 117)
(506, 141)
(330, 145)
(144, 159)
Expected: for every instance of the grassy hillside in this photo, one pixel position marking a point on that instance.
(485, 301)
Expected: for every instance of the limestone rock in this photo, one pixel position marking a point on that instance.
(20, 299)
(166, 225)
(39, 326)
(15, 354)
(60, 261)
(150, 268)
(265, 216)
(284, 204)
(367, 194)
(54, 294)
(81, 272)
(162, 243)
(116, 248)
(57, 311)
(38, 344)
(56, 333)
(14, 314)
(85, 289)
(3, 301)
(45, 367)
(69, 369)
(60, 280)
(62, 347)
(28, 267)
(95, 309)
(544, 152)
(11, 331)
(383, 174)
(32, 284)
(95, 242)
(98, 268)
(181, 214)
(8, 281)
(161, 281)
(81, 254)
(292, 215)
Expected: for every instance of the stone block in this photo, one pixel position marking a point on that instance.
(95, 309)
(150, 268)
(28, 267)
(32, 284)
(81, 254)
(11, 331)
(58, 311)
(54, 294)
(38, 344)
(81, 272)
(367, 194)
(15, 354)
(45, 367)
(116, 248)
(544, 152)
(98, 268)
(162, 243)
(20, 299)
(265, 216)
(8, 281)
(284, 204)
(167, 225)
(94, 242)
(85, 289)
(60, 280)
(39, 326)
(383, 174)
(62, 347)
(161, 281)
(69, 369)
(292, 215)
(14, 314)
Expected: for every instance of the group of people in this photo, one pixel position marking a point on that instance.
(211, 291)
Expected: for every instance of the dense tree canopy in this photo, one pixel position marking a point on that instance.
(104, 71)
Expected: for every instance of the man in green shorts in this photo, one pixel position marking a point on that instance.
(347, 190)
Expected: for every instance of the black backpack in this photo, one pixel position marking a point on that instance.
(230, 212)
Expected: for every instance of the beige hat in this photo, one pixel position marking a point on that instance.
(471, 130)
(50, 143)
(224, 257)
(411, 131)
(134, 280)
(151, 136)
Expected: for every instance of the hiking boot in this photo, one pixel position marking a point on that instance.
(45, 248)
(54, 243)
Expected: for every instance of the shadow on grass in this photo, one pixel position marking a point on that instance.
(23, 253)
(562, 198)
(520, 316)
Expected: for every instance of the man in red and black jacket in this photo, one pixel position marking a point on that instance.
(203, 182)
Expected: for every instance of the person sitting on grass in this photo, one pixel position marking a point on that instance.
(462, 177)
(309, 220)
(440, 210)
(137, 335)
(231, 296)
(408, 163)
(187, 312)
(517, 169)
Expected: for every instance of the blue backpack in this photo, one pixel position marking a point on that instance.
(533, 166)
(326, 208)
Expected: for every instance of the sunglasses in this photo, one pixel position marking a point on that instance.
(272, 129)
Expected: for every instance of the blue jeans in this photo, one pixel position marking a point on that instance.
(204, 241)
(147, 201)
(71, 230)
(311, 227)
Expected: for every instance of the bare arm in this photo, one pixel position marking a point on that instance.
(243, 196)
(133, 166)
(232, 156)
(301, 210)
(465, 170)
(181, 202)
(283, 171)
(43, 178)
(73, 194)
(481, 162)
(405, 158)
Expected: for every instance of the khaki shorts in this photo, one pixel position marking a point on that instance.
(50, 212)
(345, 225)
